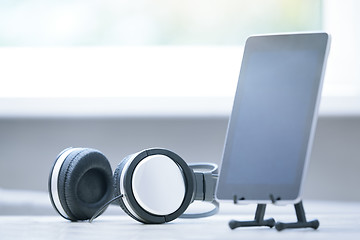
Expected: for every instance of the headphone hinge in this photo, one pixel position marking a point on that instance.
(199, 186)
(210, 181)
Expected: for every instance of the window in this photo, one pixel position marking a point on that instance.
(150, 22)
(148, 48)
(341, 20)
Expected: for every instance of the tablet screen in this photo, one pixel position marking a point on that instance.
(268, 139)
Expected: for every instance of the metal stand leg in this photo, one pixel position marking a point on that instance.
(257, 222)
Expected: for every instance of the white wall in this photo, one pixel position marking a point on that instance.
(28, 147)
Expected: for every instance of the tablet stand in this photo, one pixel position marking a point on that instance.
(259, 219)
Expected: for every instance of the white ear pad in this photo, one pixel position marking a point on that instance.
(158, 185)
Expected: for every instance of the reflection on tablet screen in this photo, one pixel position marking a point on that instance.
(273, 116)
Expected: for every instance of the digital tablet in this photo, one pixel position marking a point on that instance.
(273, 119)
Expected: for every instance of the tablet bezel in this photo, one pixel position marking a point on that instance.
(283, 193)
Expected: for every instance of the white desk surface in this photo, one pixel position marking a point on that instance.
(338, 220)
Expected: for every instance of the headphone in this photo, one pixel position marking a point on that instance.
(152, 186)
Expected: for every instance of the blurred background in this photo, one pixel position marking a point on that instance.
(121, 76)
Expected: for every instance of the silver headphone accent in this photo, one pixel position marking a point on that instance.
(53, 185)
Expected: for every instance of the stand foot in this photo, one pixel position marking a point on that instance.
(311, 224)
(259, 219)
(257, 222)
(301, 223)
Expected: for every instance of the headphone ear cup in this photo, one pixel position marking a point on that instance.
(116, 185)
(150, 193)
(83, 183)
